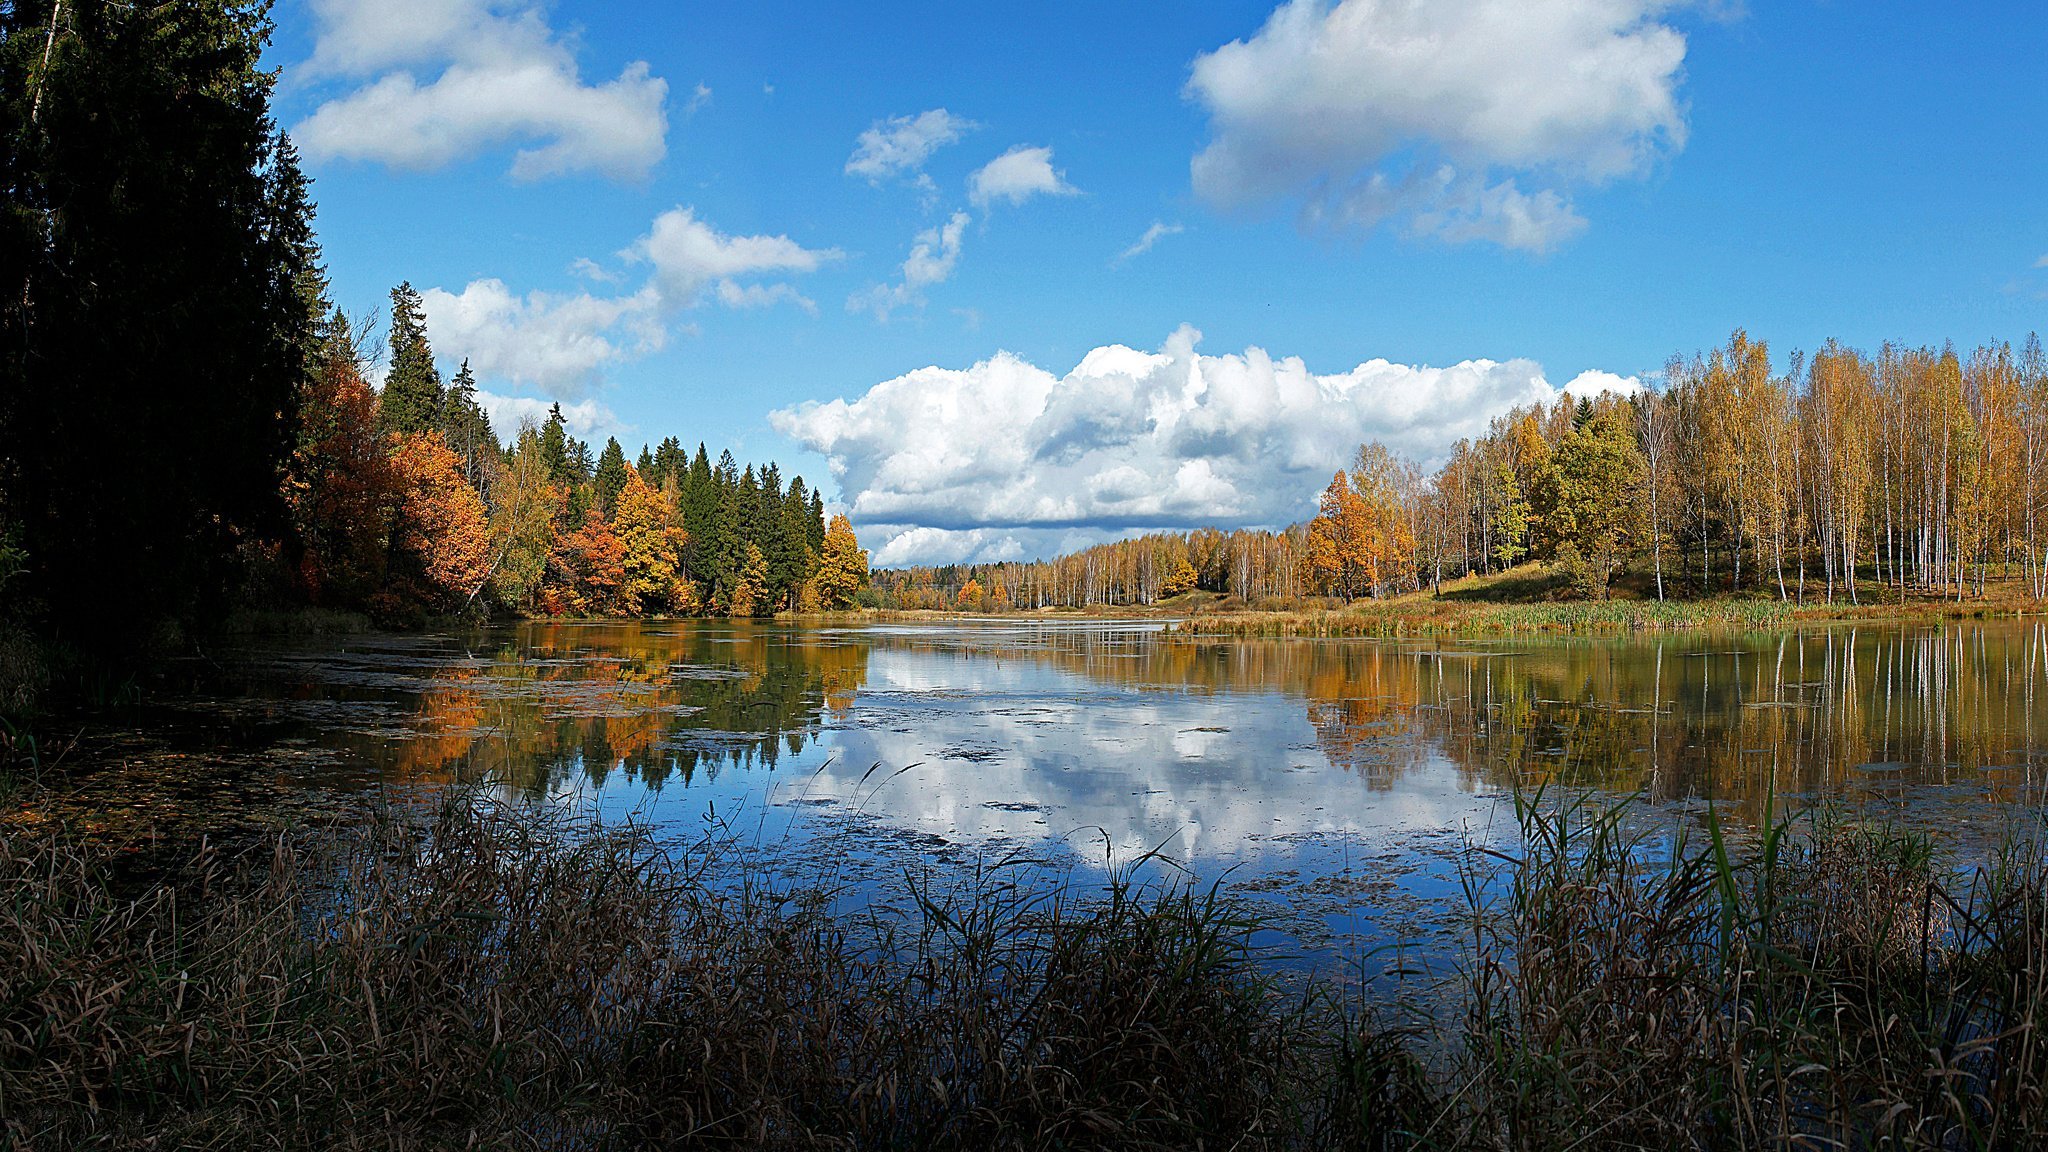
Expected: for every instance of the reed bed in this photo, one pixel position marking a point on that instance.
(487, 976)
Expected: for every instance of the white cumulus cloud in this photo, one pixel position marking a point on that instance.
(585, 420)
(1376, 110)
(1017, 176)
(933, 256)
(688, 256)
(1131, 440)
(441, 80)
(901, 144)
(562, 344)
(559, 344)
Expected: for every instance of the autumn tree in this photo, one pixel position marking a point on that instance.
(1181, 578)
(843, 569)
(340, 484)
(750, 588)
(1590, 509)
(1341, 549)
(1386, 485)
(440, 538)
(650, 541)
(971, 595)
(525, 505)
(585, 569)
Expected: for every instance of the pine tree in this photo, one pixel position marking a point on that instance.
(727, 527)
(610, 476)
(467, 427)
(645, 466)
(554, 447)
(670, 462)
(582, 463)
(791, 561)
(412, 400)
(160, 309)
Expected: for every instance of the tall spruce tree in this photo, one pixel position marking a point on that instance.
(467, 427)
(610, 476)
(700, 506)
(160, 307)
(670, 461)
(412, 400)
(554, 447)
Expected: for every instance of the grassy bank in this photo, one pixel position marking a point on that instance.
(1416, 616)
(490, 977)
(1531, 599)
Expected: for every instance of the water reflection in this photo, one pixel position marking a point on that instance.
(1133, 738)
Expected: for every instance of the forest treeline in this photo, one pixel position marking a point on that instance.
(404, 501)
(184, 422)
(1921, 470)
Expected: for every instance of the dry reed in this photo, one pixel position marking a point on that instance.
(489, 976)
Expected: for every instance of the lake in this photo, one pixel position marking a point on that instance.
(1335, 782)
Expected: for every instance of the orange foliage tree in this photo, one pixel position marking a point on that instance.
(585, 569)
(441, 536)
(340, 485)
(1341, 548)
(1361, 542)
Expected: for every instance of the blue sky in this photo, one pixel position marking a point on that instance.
(1369, 218)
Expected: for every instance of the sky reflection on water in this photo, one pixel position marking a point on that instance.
(1335, 777)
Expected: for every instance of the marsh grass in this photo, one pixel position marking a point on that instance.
(487, 975)
(1422, 616)
(501, 978)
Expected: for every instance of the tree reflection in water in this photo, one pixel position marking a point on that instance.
(1879, 712)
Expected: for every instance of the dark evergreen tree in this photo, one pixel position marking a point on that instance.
(649, 475)
(670, 461)
(700, 506)
(789, 565)
(727, 525)
(554, 447)
(467, 426)
(412, 401)
(160, 307)
(610, 476)
(817, 523)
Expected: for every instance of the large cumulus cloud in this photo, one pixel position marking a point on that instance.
(1456, 119)
(1005, 458)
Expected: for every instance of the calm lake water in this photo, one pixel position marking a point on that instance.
(1335, 780)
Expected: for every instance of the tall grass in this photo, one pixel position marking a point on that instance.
(1818, 985)
(499, 978)
(493, 977)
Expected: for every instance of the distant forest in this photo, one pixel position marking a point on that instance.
(405, 501)
(1920, 470)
